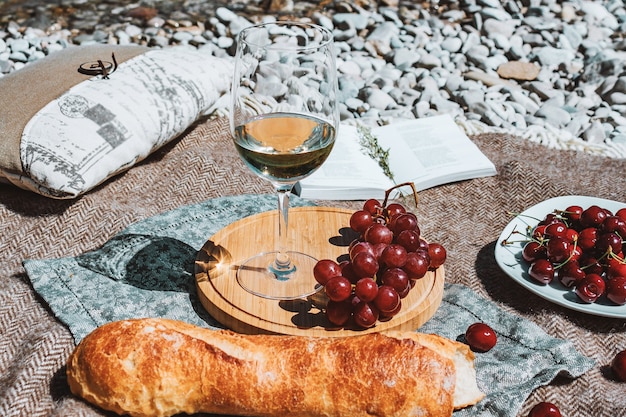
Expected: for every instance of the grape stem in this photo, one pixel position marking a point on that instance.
(404, 184)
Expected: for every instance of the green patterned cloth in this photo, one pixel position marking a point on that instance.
(147, 271)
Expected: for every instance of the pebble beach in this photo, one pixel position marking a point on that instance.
(548, 71)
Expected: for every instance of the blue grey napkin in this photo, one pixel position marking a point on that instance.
(147, 271)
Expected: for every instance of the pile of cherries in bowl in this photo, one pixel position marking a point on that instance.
(581, 248)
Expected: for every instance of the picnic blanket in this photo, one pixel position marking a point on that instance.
(202, 166)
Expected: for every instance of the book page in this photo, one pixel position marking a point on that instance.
(432, 151)
(347, 174)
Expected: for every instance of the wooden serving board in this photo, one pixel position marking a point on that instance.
(319, 231)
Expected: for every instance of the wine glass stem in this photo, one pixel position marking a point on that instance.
(282, 264)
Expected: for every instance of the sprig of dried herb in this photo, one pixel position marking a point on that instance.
(370, 145)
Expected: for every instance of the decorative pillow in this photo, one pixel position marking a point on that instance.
(84, 114)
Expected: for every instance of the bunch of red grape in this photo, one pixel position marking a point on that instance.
(583, 249)
(383, 264)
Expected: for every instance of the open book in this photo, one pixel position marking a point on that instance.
(364, 162)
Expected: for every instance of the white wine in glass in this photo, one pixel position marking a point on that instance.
(283, 118)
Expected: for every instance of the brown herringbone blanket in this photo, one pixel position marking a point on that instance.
(466, 217)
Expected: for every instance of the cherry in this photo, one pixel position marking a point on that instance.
(590, 288)
(621, 213)
(571, 235)
(573, 213)
(541, 271)
(480, 337)
(616, 290)
(618, 366)
(558, 249)
(539, 232)
(556, 229)
(616, 268)
(544, 409)
(593, 216)
(590, 264)
(587, 238)
(533, 250)
(615, 224)
(608, 243)
(570, 274)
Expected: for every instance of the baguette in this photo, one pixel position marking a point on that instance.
(160, 367)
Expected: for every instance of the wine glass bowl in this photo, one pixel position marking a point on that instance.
(283, 120)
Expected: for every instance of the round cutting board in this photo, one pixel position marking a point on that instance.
(322, 232)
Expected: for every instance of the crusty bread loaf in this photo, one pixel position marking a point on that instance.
(158, 367)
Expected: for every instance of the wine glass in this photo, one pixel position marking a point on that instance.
(283, 118)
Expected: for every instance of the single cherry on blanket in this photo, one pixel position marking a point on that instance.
(618, 366)
(480, 337)
(545, 409)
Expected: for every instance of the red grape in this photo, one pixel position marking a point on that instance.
(396, 278)
(339, 312)
(395, 209)
(325, 269)
(416, 266)
(361, 220)
(366, 289)
(338, 288)
(361, 247)
(378, 233)
(382, 266)
(394, 256)
(410, 239)
(387, 299)
(406, 221)
(372, 206)
(437, 254)
(365, 314)
(364, 265)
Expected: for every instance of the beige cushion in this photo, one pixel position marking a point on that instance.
(65, 131)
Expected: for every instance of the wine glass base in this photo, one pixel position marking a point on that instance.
(260, 277)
